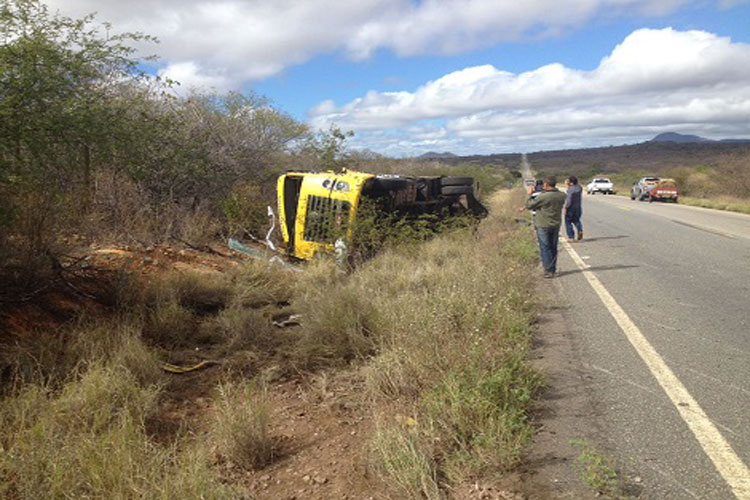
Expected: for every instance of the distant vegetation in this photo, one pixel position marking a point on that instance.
(714, 171)
(708, 173)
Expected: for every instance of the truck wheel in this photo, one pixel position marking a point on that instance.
(456, 181)
(452, 190)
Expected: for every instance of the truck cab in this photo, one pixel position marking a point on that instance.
(317, 209)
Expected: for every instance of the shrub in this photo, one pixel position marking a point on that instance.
(375, 229)
(245, 209)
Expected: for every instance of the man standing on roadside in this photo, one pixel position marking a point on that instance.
(548, 205)
(573, 208)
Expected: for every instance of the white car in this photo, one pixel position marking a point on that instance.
(600, 185)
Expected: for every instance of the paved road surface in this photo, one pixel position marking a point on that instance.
(681, 275)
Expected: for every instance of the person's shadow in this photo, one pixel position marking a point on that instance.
(596, 268)
(602, 238)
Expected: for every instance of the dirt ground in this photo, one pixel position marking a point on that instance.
(321, 422)
(562, 414)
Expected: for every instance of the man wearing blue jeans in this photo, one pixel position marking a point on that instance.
(573, 208)
(548, 206)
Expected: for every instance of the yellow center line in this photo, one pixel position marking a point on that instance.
(727, 462)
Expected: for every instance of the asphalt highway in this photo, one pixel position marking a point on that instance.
(657, 300)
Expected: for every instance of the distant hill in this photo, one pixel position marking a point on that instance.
(675, 137)
(682, 138)
(651, 157)
(431, 155)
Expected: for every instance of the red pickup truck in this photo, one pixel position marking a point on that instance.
(664, 190)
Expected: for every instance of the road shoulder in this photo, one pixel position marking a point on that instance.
(565, 410)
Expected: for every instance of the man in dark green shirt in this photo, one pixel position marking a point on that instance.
(548, 206)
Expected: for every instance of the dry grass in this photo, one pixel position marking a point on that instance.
(728, 203)
(339, 326)
(87, 440)
(50, 358)
(399, 456)
(240, 426)
(442, 329)
(73, 421)
(447, 328)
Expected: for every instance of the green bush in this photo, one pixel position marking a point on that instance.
(245, 209)
(376, 229)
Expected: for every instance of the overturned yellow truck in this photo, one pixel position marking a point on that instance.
(317, 209)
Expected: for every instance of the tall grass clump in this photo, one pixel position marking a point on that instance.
(241, 424)
(200, 293)
(188, 308)
(340, 326)
(399, 456)
(453, 336)
(258, 283)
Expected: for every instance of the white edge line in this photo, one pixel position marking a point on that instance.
(724, 458)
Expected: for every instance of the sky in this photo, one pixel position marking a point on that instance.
(462, 76)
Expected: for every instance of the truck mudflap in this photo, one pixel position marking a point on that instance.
(475, 206)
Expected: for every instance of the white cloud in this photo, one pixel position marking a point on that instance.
(654, 80)
(692, 79)
(190, 77)
(245, 40)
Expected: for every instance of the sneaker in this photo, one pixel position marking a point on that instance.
(580, 235)
(548, 274)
